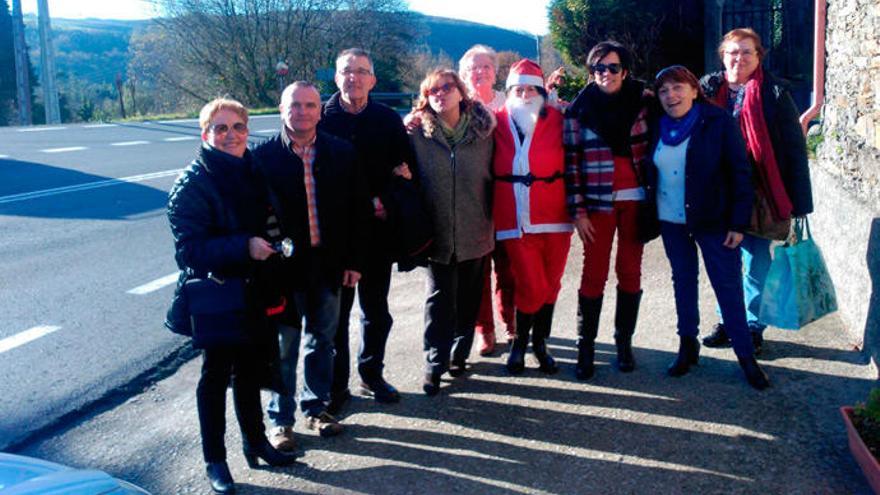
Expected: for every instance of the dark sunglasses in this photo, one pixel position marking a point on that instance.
(443, 88)
(601, 68)
(239, 127)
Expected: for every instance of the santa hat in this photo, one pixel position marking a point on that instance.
(525, 72)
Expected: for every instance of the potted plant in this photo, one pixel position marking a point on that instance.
(863, 429)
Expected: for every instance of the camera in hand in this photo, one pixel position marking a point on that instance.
(284, 247)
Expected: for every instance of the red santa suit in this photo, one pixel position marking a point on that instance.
(529, 207)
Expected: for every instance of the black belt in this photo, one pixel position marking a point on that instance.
(528, 179)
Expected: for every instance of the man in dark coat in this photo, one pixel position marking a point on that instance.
(381, 144)
(324, 210)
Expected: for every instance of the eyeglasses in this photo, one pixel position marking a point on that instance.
(443, 88)
(601, 68)
(360, 72)
(739, 53)
(239, 127)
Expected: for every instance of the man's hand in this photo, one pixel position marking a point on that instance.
(585, 229)
(412, 121)
(379, 209)
(733, 239)
(350, 278)
(402, 170)
(259, 248)
(556, 79)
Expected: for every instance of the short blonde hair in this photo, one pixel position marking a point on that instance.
(212, 107)
(740, 34)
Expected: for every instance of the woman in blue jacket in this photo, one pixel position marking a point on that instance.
(703, 188)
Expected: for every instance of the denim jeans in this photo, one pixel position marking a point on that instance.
(453, 300)
(319, 307)
(372, 291)
(756, 264)
(724, 267)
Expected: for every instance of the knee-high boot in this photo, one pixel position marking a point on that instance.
(625, 317)
(589, 309)
(516, 360)
(543, 323)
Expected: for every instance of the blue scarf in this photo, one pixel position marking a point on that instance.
(674, 131)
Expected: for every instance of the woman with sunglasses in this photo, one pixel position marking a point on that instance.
(217, 209)
(453, 150)
(703, 186)
(606, 136)
(768, 120)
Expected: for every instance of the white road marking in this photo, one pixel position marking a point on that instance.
(99, 126)
(129, 143)
(41, 129)
(12, 198)
(177, 121)
(180, 138)
(3, 156)
(28, 335)
(64, 150)
(263, 131)
(154, 285)
(266, 116)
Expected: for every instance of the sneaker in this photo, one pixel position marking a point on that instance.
(757, 342)
(431, 384)
(281, 437)
(338, 402)
(717, 338)
(325, 424)
(380, 390)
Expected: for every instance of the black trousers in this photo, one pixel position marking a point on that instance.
(453, 300)
(219, 366)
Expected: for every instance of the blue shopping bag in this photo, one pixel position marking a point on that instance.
(798, 289)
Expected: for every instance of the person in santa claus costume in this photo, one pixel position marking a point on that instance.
(529, 209)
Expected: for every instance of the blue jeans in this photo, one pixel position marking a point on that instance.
(756, 264)
(724, 267)
(319, 306)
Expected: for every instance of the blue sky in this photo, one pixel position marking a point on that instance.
(524, 15)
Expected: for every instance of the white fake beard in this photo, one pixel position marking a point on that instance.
(525, 112)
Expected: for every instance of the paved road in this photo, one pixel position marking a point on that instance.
(643, 432)
(85, 259)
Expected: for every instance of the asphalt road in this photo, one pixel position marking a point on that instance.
(86, 260)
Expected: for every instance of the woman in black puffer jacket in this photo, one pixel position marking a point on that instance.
(218, 210)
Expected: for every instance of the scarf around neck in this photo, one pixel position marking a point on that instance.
(456, 135)
(760, 149)
(612, 116)
(674, 131)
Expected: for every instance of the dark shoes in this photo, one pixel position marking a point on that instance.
(757, 342)
(718, 337)
(457, 368)
(688, 355)
(586, 354)
(626, 362)
(338, 402)
(589, 309)
(516, 360)
(220, 477)
(281, 437)
(265, 451)
(754, 374)
(380, 390)
(325, 424)
(431, 384)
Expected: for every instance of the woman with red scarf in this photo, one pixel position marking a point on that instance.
(768, 120)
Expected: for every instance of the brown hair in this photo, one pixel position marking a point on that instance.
(428, 82)
(212, 107)
(740, 34)
(681, 74)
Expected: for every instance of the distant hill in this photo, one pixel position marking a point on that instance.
(454, 37)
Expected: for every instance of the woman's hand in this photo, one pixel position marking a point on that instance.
(259, 248)
(350, 278)
(402, 170)
(585, 229)
(733, 239)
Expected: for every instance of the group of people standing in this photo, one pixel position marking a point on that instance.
(502, 177)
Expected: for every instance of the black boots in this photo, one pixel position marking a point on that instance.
(688, 355)
(264, 450)
(220, 477)
(589, 309)
(754, 374)
(543, 322)
(625, 317)
(516, 360)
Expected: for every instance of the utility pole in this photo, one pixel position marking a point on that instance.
(22, 71)
(538, 48)
(47, 65)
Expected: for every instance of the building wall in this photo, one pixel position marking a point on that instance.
(846, 173)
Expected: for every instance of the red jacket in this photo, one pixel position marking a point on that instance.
(540, 207)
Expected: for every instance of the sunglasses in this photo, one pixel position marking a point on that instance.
(443, 88)
(239, 127)
(601, 68)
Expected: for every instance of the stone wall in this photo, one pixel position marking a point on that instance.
(846, 173)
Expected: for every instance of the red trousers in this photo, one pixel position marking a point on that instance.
(597, 254)
(503, 294)
(537, 262)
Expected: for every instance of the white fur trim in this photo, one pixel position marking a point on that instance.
(514, 79)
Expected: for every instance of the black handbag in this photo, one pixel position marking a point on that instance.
(217, 310)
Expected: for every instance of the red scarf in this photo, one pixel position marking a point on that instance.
(758, 145)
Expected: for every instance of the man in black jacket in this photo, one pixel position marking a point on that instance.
(381, 143)
(324, 210)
